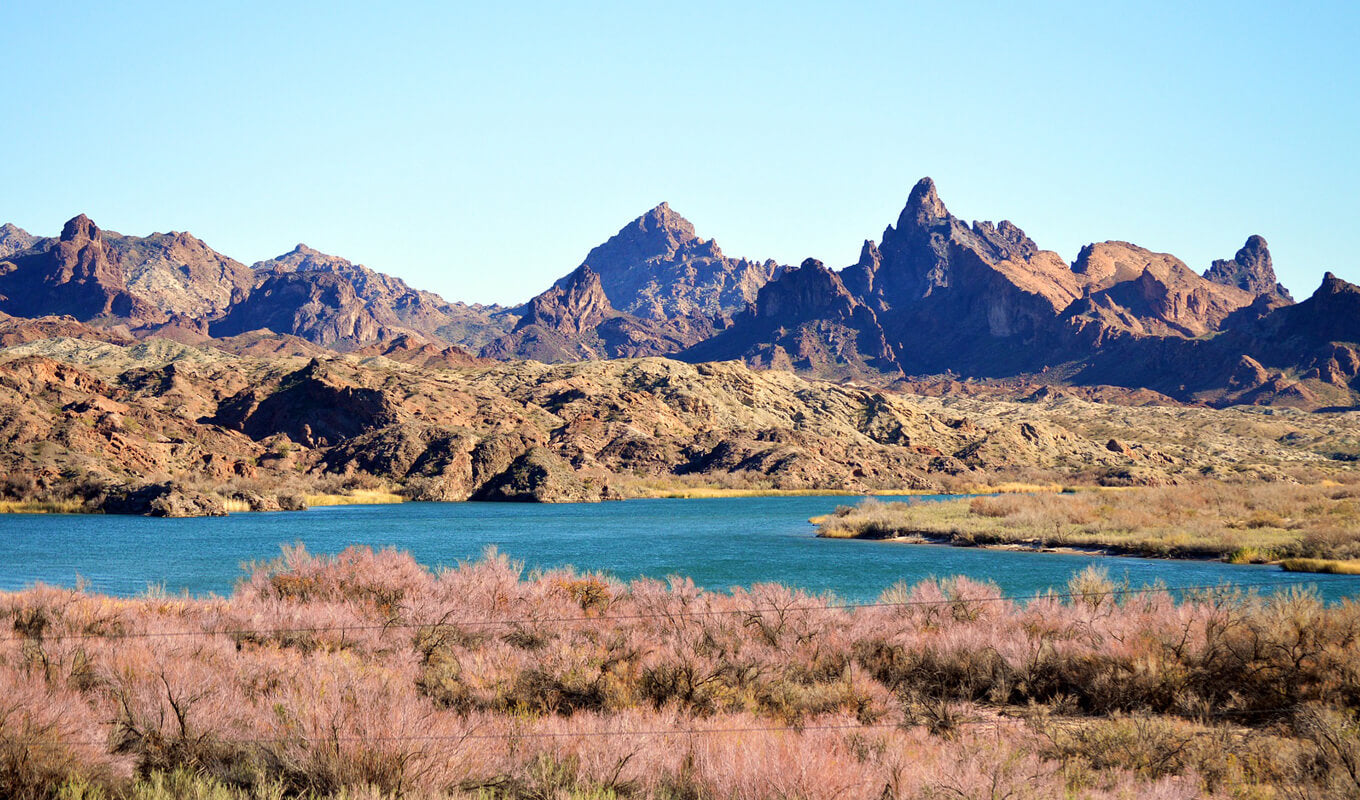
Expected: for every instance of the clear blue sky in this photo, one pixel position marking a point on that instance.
(480, 150)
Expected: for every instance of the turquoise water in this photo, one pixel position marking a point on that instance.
(719, 543)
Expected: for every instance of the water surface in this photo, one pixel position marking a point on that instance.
(720, 543)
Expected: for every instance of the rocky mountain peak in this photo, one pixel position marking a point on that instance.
(660, 234)
(80, 229)
(1334, 286)
(924, 206)
(576, 304)
(809, 292)
(658, 268)
(14, 239)
(663, 217)
(1250, 270)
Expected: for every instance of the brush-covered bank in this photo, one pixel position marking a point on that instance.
(366, 675)
(1253, 522)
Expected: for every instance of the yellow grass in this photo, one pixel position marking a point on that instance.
(1241, 523)
(40, 507)
(358, 497)
(1328, 565)
(704, 492)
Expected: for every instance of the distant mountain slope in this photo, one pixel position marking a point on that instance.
(333, 302)
(937, 299)
(1305, 355)
(575, 321)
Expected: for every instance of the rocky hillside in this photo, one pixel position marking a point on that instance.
(575, 321)
(156, 426)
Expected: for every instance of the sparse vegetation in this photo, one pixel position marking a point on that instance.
(365, 675)
(1241, 523)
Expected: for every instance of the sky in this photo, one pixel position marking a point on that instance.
(481, 150)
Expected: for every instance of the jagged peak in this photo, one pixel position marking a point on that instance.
(663, 217)
(1332, 285)
(923, 205)
(1250, 269)
(582, 276)
(869, 254)
(79, 227)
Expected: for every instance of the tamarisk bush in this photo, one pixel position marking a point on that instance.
(363, 672)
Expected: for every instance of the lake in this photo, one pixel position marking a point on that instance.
(720, 543)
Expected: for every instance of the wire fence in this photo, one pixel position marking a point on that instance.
(1219, 589)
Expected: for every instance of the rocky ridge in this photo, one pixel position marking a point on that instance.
(935, 298)
(262, 432)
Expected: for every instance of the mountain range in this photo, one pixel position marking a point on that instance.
(935, 299)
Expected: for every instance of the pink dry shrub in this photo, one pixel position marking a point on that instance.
(364, 672)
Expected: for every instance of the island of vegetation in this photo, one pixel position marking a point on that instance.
(1305, 526)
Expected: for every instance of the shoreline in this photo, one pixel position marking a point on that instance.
(696, 493)
(1111, 551)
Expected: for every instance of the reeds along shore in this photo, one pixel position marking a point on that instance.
(365, 675)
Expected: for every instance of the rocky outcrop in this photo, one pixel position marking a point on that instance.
(573, 306)
(163, 500)
(538, 476)
(1134, 291)
(805, 319)
(659, 269)
(407, 349)
(1250, 270)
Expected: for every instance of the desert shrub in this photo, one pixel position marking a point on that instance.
(49, 736)
(364, 672)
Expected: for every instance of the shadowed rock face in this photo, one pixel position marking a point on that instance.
(308, 408)
(321, 308)
(805, 319)
(657, 268)
(950, 296)
(1250, 270)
